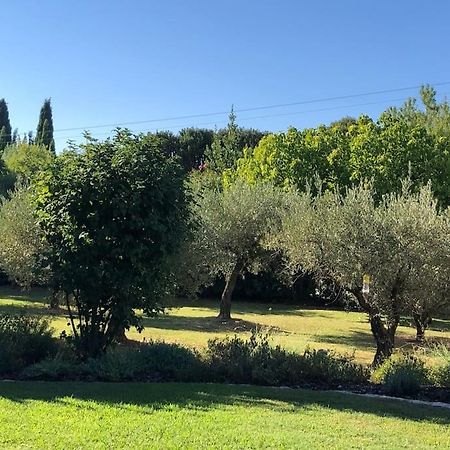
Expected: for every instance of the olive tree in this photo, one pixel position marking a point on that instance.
(22, 246)
(429, 287)
(112, 213)
(230, 228)
(341, 238)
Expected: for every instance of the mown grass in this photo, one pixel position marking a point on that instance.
(292, 327)
(193, 416)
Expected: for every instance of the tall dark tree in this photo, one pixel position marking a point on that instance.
(44, 132)
(5, 125)
(193, 143)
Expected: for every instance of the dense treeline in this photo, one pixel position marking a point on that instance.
(117, 225)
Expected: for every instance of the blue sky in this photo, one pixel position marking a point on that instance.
(109, 62)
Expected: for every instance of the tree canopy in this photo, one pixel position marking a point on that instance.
(112, 214)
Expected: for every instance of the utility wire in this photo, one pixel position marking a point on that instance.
(241, 119)
(256, 108)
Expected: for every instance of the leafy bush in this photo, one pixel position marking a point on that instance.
(255, 361)
(156, 361)
(24, 340)
(401, 374)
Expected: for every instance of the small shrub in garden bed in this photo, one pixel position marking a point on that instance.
(24, 340)
(155, 361)
(255, 361)
(401, 374)
(440, 375)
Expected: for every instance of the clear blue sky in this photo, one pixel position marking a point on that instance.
(107, 62)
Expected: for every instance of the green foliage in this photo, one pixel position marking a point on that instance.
(226, 148)
(24, 340)
(22, 246)
(44, 132)
(440, 374)
(401, 374)
(230, 226)
(26, 160)
(113, 215)
(255, 361)
(155, 361)
(5, 125)
(401, 242)
(399, 145)
(193, 143)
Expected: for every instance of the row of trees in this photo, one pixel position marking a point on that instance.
(401, 241)
(404, 142)
(44, 131)
(113, 226)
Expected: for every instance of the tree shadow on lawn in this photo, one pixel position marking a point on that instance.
(245, 307)
(157, 396)
(203, 324)
(364, 340)
(17, 310)
(38, 294)
(441, 325)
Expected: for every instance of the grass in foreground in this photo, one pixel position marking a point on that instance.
(133, 415)
(292, 327)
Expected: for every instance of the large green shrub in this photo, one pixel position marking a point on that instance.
(113, 214)
(401, 374)
(24, 340)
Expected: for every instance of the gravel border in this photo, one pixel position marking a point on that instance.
(388, 397)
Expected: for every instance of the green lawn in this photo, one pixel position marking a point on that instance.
(133, 415)
(294, 328)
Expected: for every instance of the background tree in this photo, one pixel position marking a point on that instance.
(404, 143)
(5, 125)
(26, 160)
(112, 215)
(22, 246)
(193, 143)
(230, 228)
(225, 149)
(44, 132)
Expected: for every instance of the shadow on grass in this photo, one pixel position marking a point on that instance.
(201, 324)
(153, 396)
(31, 310)
(357, 339)
(441, 325)
(39, 295)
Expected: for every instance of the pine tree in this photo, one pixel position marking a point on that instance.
(44, 132)
(225, 149)
(5, 125)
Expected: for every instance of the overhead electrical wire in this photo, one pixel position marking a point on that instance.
(255, 108)
(241, 119)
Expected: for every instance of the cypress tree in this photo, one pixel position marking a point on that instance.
(44, 132)
(5, 125)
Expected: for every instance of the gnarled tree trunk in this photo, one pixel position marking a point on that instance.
(384, 337)
(422, 320)
(383, 333)
(230, 284)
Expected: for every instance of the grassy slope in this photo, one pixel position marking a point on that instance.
(100, 415)
(292, 327)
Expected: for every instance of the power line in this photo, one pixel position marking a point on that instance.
(241, 119)
(256, 108)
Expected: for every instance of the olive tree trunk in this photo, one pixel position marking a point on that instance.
(225, 300)
(422, 320)
(383, 332)
(384, 337)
